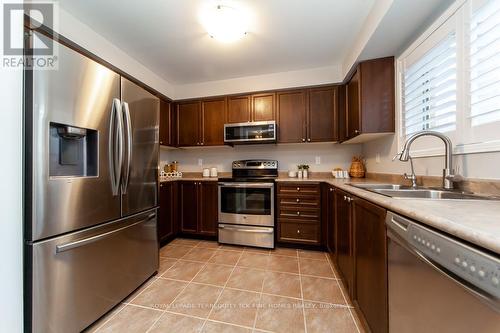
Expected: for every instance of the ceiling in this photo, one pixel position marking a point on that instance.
(167, 37)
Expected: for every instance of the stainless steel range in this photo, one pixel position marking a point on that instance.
(246, 204)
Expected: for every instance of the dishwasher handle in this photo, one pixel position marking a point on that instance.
(397, 227)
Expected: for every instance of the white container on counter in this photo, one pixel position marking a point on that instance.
(206, 172)
(213, 172)
(292, 174)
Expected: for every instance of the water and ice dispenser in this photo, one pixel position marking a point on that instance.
(73, 151)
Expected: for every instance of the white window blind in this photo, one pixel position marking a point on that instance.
(430, 89)
(449, 80)
(485, 64)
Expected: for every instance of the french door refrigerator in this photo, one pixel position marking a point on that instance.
(91, 157)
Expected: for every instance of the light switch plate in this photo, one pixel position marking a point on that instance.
(200, 162)
(318, 160)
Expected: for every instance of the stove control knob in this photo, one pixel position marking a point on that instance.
(481, 273)
(472, 268)
(457, 260)
(464, 264)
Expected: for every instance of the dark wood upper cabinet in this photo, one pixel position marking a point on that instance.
(208, 208)
(291, 116)
(322, 115)
(263, 107)
(371, 264)
(239, 109)
(188, 123)
(166, 214)
(370, 100)
(188, 212)
(213, 117)
(343, 239)
(166, 126)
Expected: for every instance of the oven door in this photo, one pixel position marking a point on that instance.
(246, 203)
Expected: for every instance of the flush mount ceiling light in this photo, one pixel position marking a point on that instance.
(225, 23)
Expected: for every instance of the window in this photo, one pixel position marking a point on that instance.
(450, 80)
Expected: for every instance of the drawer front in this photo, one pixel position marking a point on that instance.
(299, 189)
(299, 232)
(246, 235)
(299, 213)
(298, 201)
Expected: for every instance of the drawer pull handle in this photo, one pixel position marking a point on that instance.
(298, 213)
(298, 200)
(298, 231)
(298, 188)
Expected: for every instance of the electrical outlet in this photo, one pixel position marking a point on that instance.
(377, 158)
(318, 160)
(200, 162)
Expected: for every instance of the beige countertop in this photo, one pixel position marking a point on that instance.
(476, 221)
(194, 179)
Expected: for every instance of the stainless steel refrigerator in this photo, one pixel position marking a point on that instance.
(91, 157)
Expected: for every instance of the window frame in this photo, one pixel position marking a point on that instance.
(458, 12)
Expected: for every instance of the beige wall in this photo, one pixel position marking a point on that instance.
(480, 165)
(288, 156)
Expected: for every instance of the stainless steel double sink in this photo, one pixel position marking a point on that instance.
(401, 191)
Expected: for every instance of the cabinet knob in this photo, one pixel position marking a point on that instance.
(298, 231)
(356, 131)
(309, 140)
(345, 198)
(298, 188)
(202, 143)
(298, 200)
(331, 189)
(298, 213)
(161, 142)
(303, 140)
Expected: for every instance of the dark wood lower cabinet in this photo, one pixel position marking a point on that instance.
(198, 208)
(328, 210)
(208, 208)
(370, 264)
(188, 207)
(167, 223)
(343, 239)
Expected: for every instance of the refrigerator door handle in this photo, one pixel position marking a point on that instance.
(88, 240)
(128, 163)
(115, 150)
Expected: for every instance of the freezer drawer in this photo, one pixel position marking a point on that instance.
(78, 277)
(246, 235)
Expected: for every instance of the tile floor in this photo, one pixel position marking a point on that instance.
(206, 287)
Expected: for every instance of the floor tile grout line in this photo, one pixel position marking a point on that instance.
(220, 294)
(302, 297)
(260, 298)
(187, 284)
(111, 317)
(343, 295)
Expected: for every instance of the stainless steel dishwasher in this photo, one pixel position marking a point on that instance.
(439, 284)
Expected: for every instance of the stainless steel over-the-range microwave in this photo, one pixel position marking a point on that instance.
(250, 132)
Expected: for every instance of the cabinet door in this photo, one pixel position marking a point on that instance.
(213, 116)
(208, 206)
(353, 108)
(344, 238)
(238, 109)
(263, 107)
(188, 196)
(166, 213)
(322, 115)
(371, 263)
(291, 116)
(188, 123)
(165, 123)
(329, 208)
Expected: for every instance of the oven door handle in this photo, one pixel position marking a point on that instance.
(256, 231)
(247, 185)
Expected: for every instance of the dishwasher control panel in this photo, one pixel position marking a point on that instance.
(480, 269)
